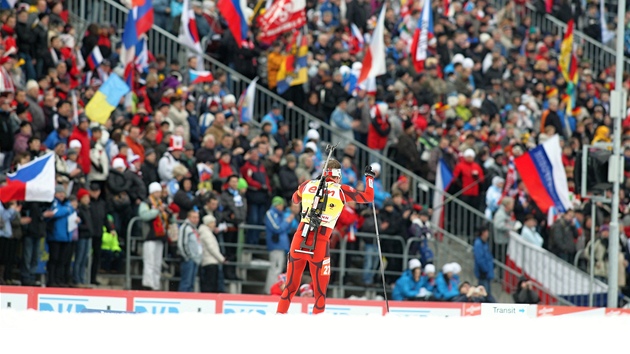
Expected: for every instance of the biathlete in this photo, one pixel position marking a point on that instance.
(318, 254)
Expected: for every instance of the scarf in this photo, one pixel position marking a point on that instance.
(160, 223)
(238, 200)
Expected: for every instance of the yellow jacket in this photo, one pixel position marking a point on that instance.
(274, 60)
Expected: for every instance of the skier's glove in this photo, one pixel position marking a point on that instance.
(369, 172)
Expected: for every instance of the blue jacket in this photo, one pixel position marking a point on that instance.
(406, 287)
(7, 215)
(446, 291)
(349, 177)
(275, 223)
(429, 284)
(273, 119)
(53, 139)
(57, 229)
(484, 264)
(379, 193)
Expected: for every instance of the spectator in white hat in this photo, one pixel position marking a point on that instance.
(408, 286)
(448, 282)
(379, 191)
(428, 283)
(468, 175)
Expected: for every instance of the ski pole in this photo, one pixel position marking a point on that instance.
(380, 256)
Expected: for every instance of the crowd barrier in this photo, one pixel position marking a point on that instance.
(79, 300)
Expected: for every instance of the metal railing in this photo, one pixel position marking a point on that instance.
(600, 55)
(466, 217)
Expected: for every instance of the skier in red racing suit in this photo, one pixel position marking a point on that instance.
(319, 261)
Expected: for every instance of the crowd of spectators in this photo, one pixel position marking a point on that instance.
(490, 90)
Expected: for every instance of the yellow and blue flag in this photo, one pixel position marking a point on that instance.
(106, 99)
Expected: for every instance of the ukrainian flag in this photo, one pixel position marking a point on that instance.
(293, 70)
(106, 99)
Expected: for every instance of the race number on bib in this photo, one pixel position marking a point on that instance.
(326, 267)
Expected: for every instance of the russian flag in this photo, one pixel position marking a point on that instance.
(197, 77)
(443, 178)
(142, 55)
(205, 172)
(356, 33)
(246, 102)
(7, 4)
(542, 172)
(128, 51)
(374, 60)
(233, 14)
(422, 36)
(95, 58)
(143, 16)
(32, 182)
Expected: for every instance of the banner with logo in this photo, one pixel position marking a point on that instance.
(283, 16)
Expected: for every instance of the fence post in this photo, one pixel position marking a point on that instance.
(342, 267)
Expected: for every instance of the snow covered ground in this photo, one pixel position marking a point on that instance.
(88, 333)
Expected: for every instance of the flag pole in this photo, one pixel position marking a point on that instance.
(618, 112)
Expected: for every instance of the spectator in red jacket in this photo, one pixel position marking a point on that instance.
(379, 128)
(80, 133)
(468, 174)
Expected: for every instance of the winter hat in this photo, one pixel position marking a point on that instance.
(447, 268)
(32, 84)
(209, 219)
(414, 263)
(311, 145)
(470, 153)
(376, 167)
(242, 183)
(75, 144)
(429, 268)
(155, 187)
(312, 134)
(60, 189)
(176, 143)
(134, 158)
(277, 201)
(306, 290)
(82, 193)
(119, 163)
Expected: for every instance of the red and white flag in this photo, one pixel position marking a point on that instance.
(283, 16)
(422, 36)
(374, 59)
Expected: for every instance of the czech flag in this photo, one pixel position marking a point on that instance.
(32, 182)
(542, 172)
(197, 77)
(95, 58)
(235, 18)
(422, 36)
(106, 99)
(374, 60)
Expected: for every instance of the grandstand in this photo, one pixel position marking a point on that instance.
(494, 107)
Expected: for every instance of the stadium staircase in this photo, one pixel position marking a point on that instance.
(459, 233)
